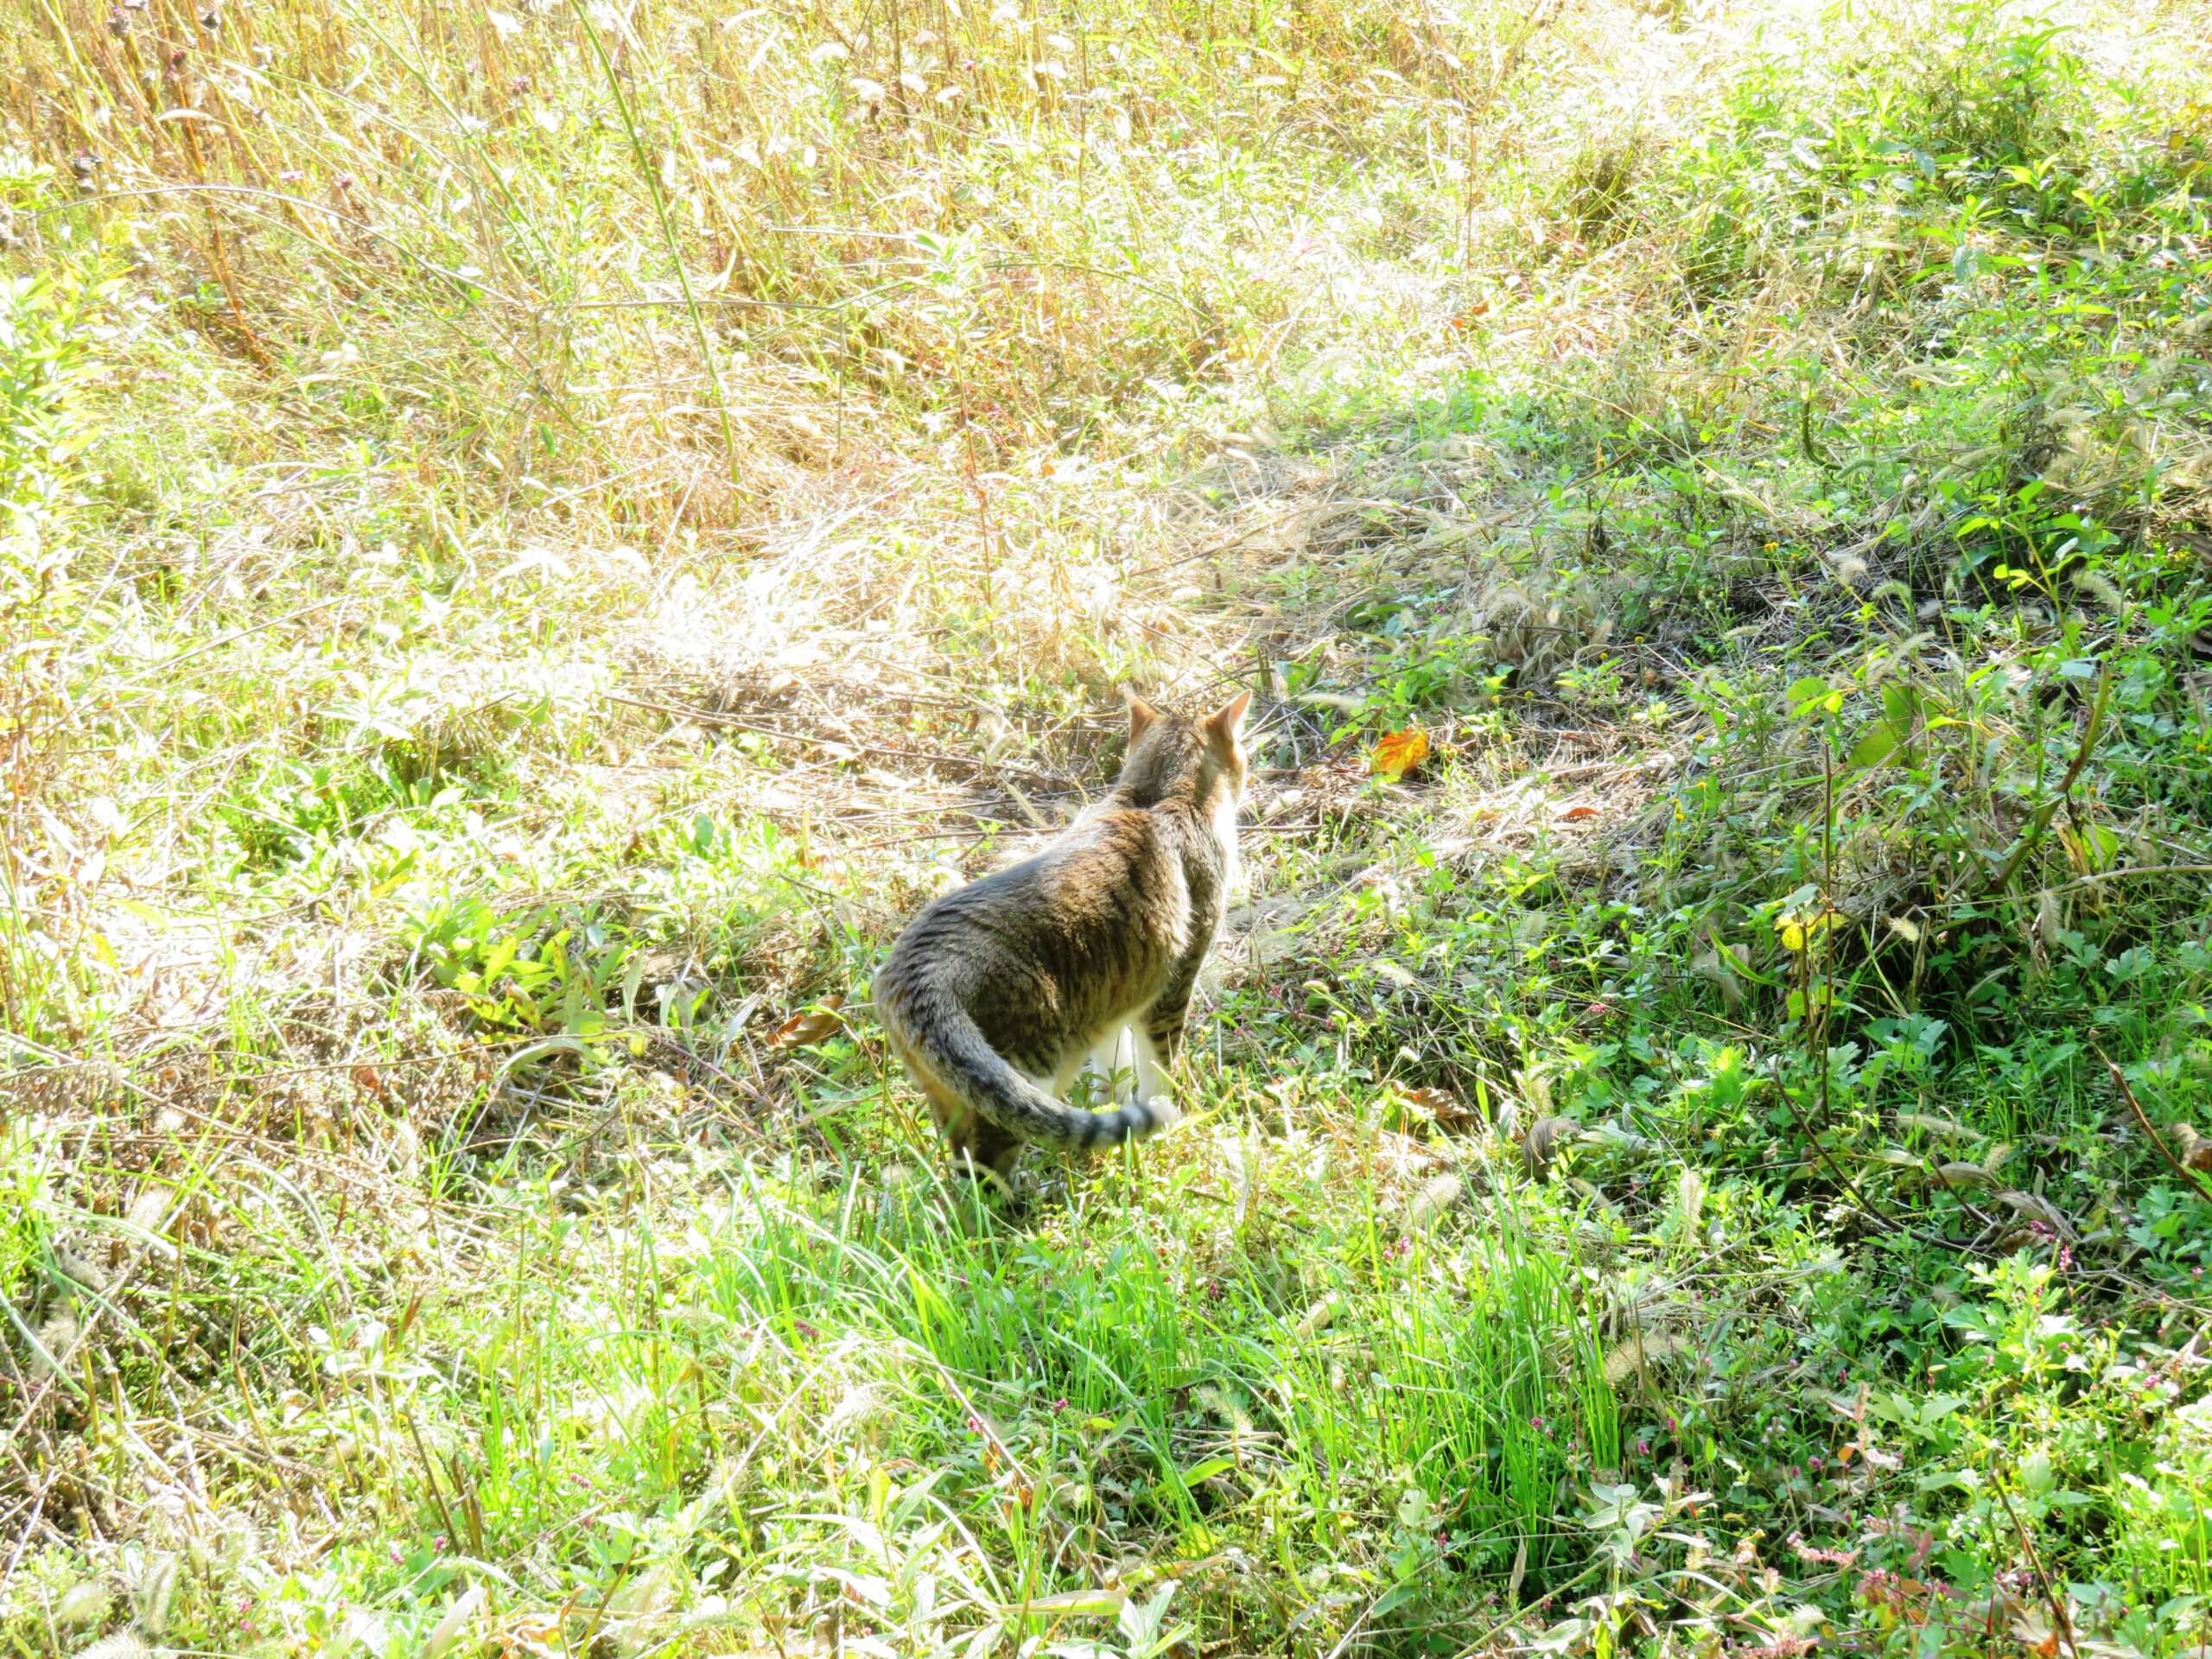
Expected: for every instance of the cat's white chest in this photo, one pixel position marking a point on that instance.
(1224, 834)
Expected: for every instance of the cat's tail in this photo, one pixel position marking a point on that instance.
(935, 1035)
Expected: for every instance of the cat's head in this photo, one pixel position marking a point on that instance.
(1168, 754)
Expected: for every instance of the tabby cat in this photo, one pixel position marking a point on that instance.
(996, 993)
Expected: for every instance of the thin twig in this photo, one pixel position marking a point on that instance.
(236, 634)
(1873, 1210)
(2127, 1094)
(30, 1526)
(2065, 1625)
(2080, 882)
(430, 1474)
(691, 1058)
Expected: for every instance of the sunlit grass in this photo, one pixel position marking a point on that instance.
(535, 538)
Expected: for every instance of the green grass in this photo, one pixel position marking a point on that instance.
(531, 541)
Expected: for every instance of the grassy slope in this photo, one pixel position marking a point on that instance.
(535, 538)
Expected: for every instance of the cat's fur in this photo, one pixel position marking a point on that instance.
(998, 992)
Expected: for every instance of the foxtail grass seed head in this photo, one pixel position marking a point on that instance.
(77, 1266)
(58, 1337)
(150, 1211)
(1437, 1195)
(2050, 922)
(1690, 1200)
(153, 1576)
(83, 1604)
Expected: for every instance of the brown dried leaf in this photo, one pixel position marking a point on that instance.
(2196, 1151)
(810, 1026)
(2033, 1628)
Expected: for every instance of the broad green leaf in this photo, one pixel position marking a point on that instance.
(1805, 696)
(1876, 746)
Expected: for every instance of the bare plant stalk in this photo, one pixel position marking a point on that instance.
(1827, 910)
(2127, 1094)
(651, 176)
(2064, 1625)
(2033, 834)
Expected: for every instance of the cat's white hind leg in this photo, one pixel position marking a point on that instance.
(1121, 1066)
(1113, 1066)
(1094, 1066)
(1151, 1080)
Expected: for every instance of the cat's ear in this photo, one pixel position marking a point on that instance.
(1142, 716)
(1223, 725)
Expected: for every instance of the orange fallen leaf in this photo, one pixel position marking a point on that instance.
(1441, 1104)
(531, 1636)
(1399, 753)
(810, 1026)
